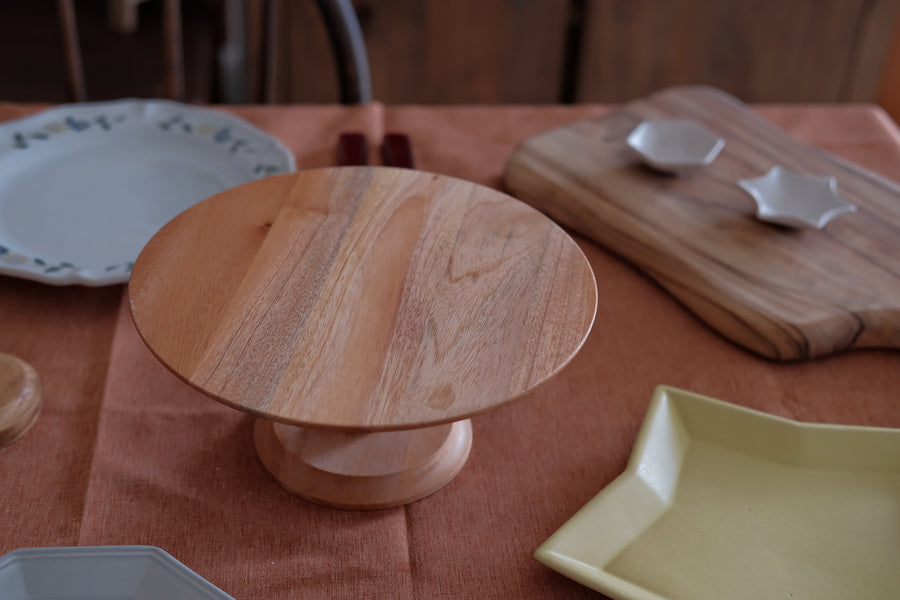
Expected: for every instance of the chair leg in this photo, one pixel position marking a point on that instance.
(273, 41)
(74, 68)
(349, 50)
(174, 52)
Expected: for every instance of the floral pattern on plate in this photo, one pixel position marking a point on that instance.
(81, 176)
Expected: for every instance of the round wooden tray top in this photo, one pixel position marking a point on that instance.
(363, 299)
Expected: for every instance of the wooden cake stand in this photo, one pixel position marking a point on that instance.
(363, 314)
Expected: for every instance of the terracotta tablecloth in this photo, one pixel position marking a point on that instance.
(125, 453)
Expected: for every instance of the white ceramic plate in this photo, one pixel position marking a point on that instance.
(672, 146)
(796, 199)
(100, 573)
(84, 186)
(719, 501)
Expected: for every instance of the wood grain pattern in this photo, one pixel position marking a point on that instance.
(889, 85)
(768, 50)
(782, 293)
(871, 53)
(514, 51)
(432, 51)
(363, 471)
(363, 298)
(20, 398)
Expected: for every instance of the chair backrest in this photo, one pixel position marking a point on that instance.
(340, 21)
(349, 48)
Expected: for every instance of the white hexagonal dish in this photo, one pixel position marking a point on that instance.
(796, 199)
(671, 145)
(100, 573)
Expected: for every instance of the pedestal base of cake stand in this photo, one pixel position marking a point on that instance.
(363, 470)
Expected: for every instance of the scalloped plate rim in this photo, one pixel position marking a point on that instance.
(41, 127)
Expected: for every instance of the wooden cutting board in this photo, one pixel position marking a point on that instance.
(783, 293)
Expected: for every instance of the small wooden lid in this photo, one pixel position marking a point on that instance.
(363, 298)
(20, 398)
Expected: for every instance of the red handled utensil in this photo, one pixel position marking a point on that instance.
(352, 150)
(396, 151)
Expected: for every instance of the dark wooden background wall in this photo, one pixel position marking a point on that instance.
(493, 51)
(544, 51)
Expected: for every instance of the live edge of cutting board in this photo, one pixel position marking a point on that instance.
(782, 293)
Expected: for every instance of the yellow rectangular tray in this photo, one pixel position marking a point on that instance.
(720, 501)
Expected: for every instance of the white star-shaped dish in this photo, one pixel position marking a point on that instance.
(720, 501)
(795, 199)
(672, 146)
